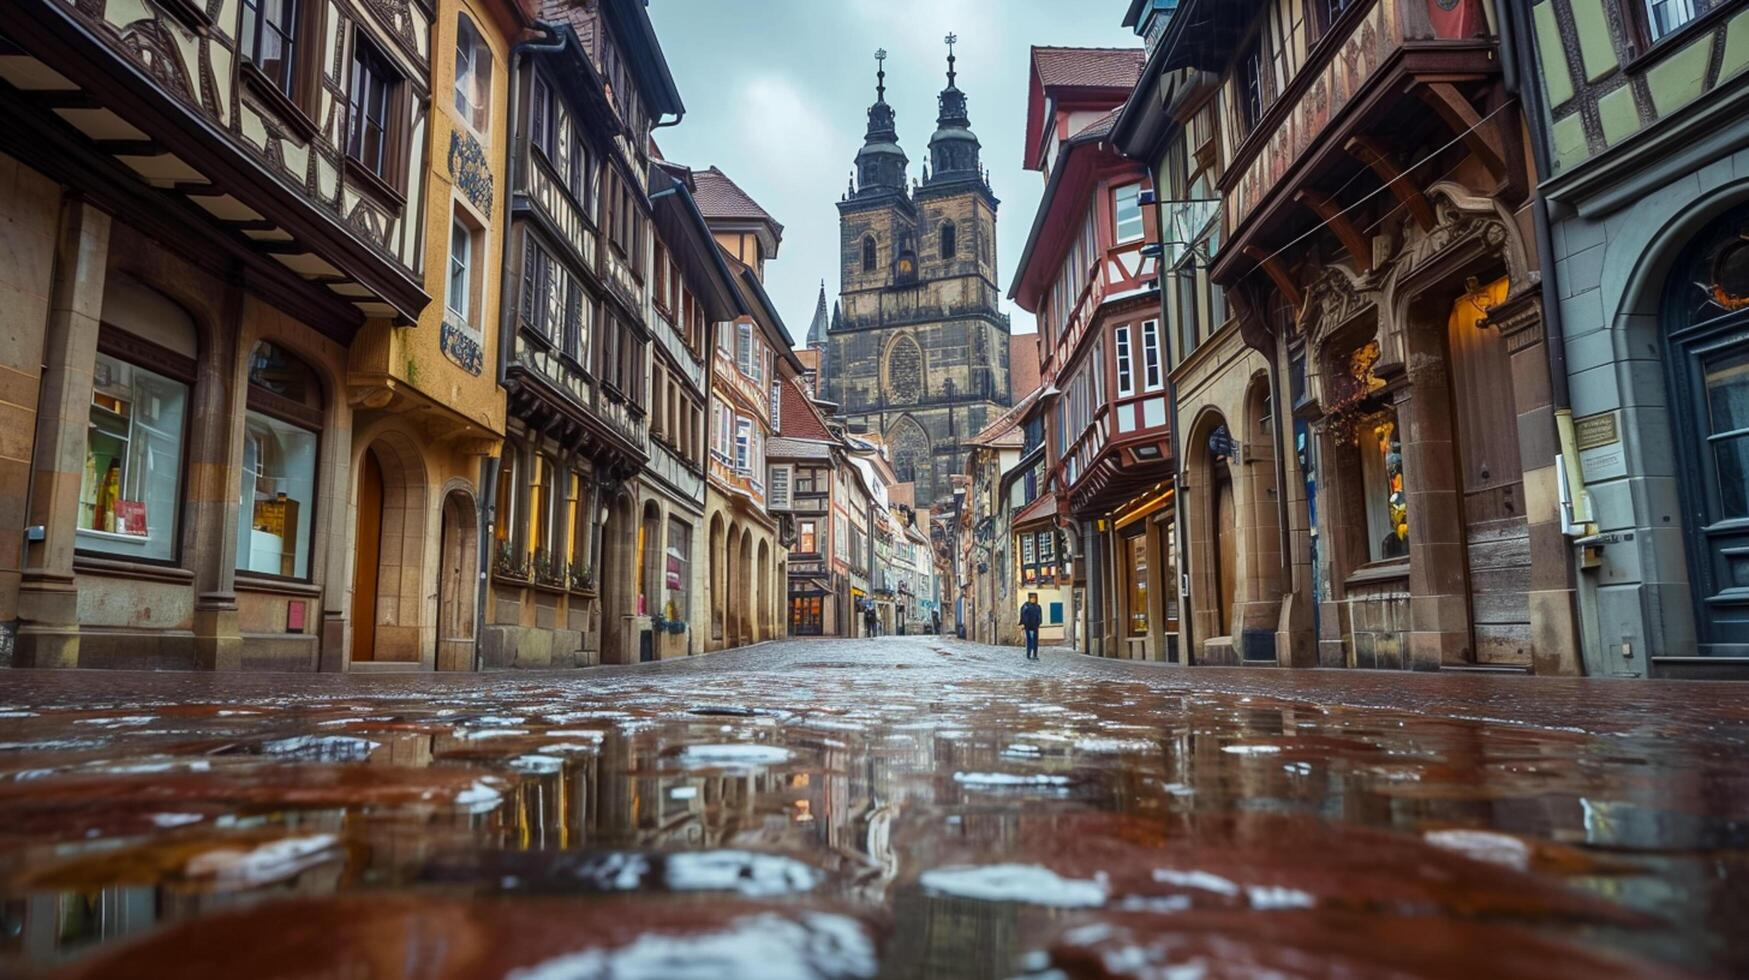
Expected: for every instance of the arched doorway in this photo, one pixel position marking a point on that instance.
(744, 596)
(718, 586)
(762, 568)
(618, 581)
(733, 584)
(456, 581)
(650, 585)
(367, 557)
(1706, 345)
(389, 595)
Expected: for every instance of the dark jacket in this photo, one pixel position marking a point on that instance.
(1031, 615)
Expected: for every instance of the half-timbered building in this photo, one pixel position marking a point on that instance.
(1089, 277)
(565, 563)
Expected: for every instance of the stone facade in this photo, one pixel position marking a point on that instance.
(918, 351)
(1648, 157)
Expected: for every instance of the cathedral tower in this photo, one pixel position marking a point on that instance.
(919, 345)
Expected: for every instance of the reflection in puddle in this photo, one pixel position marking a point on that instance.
(774, 822)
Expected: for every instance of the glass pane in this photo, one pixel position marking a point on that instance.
(1732, 456)
(128, 500)
(1381, 465)
(278, 498)
(1727, 392)
(1138, 554)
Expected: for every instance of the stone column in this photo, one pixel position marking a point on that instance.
(48, 601)
(1439, 606)
(215, 461)
(1295, 643)
(1097, 570)
(1554, 628)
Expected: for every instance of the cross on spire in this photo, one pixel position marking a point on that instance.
(951, 40)
(880, 74)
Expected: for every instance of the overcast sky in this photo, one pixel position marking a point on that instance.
(777, 95)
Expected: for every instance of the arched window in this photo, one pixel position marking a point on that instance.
(949, 240)
(868, 253)
(473, 76)
(129, 496)
(282, 429)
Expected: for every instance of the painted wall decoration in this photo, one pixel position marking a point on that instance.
(463, 348)
(469, 170)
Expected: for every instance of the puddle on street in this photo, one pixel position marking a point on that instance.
(783, 820)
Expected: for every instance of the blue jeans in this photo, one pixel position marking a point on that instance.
(1032, 642)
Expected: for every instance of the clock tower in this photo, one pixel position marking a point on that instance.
(919, 350)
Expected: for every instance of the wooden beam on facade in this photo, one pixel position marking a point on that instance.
(1406, 192)
(1482, 140)
(1344, 229)
(1272, 267)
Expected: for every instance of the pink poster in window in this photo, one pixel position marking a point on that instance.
(130, 517)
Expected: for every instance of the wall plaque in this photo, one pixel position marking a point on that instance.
(1595, 431)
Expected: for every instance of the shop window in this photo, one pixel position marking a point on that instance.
(677, 562)
(1136, 550)
(129, 493)
(281, 434)
(1381, 471)
(1727, 401)
(473, 76)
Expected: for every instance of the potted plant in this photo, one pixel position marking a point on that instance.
(510, 563)
(582, 577)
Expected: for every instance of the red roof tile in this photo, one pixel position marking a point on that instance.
(800, 419)
(1023, 366)
(1089, 67)
(720, 197)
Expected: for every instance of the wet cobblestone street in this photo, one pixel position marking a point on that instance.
(900, 807)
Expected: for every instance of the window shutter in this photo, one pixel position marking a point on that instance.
(777, 494)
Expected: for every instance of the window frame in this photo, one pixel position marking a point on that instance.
(117, 343)
(477, 118)
(294, 96)
(458, 222)
(949, 240)
(1643, 47)
(389, 183)
(272, 405)
(1117, 224)
(1153, 375)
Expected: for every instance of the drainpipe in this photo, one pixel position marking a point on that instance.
(552, 41)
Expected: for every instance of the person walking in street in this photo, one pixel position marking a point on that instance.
(868, 621)
(1030, 618)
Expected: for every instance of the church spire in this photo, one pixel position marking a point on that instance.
(880, 164)
(953, 150)
(817, 330)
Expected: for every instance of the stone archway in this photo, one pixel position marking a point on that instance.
(718, 586)
(1256, 554)
(1210, 552)
(617, 581)
(389, 618)
(457, 580)
(744, 595)
(762, 571)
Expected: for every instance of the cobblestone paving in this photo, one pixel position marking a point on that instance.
(899, 807)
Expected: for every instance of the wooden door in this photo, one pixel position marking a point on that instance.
(367, 559)
(1490, 482)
